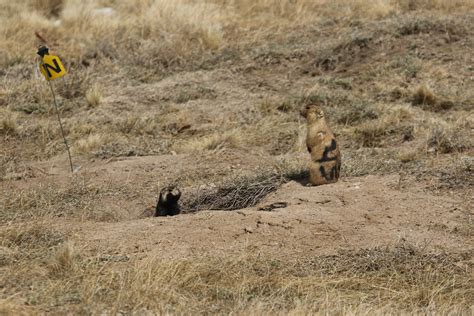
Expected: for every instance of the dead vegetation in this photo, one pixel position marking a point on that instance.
(240, 192)
(401, 278)
(447, 139)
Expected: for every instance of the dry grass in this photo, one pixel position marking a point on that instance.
(393, 127)
(423, 95)
(94, 96)
(62, 261)
(194, 36)
(407, 155)
(402, 279)
(448, 139)
(238, 193)
(458, 176)
(75, 199)
(8, 123)
(183, 27)
(213, 142)
(91, 143)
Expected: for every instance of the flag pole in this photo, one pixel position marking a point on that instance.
(61, 125)
(59, 71)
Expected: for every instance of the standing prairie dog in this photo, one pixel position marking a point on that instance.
(325, 162)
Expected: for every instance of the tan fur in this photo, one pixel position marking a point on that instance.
(325, 162)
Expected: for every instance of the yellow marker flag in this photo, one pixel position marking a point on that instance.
(51, 67)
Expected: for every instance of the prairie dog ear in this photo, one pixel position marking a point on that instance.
(176, 192)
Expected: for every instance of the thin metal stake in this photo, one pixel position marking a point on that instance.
(61, 125)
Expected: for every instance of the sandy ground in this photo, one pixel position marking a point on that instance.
(295, 221)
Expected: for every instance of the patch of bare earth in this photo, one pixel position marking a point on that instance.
(354, 213)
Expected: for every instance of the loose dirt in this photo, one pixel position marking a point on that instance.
(356, 212)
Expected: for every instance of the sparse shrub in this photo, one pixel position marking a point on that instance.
(345, 84)
(393, 126)
(93, 96)
(459, 174)
(188, 92)
(48, 7)
(140, 125)
(444, 105)
(396, 94)
(128, 124)
(344, 53)
(447, 140)
(216, 141)
(89, 144)
(30, 236)
(355, 113)
(407, 155)
(416, 26)
(76, 86)
(410, 66)
(424, 96)
(6, 257)
(62, 260)
(370, 134)
(270, 105)
(32, 108)
(8, 125)
(413, 5)
(184, 96)
(241, 192)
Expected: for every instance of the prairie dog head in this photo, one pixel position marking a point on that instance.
(312, 112)
(170, 194)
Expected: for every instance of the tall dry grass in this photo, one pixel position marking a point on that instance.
(400, 279)
(149, 39)
(165, 32)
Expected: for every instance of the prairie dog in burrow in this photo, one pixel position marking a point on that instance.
(168, 202)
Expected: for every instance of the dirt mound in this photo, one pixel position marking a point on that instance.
(353, 213)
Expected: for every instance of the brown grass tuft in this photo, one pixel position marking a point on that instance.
(446, 139)
(409, 154)
(413, 5)
(48, 7)
(241, 192)
(393, 127)
(8, 125)
(30, 240)
(62, 260)
(424, 96)
(91, 143)
(213, 142)
(93, 96)
(396, 279)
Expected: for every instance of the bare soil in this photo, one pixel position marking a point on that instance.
(296, 220)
